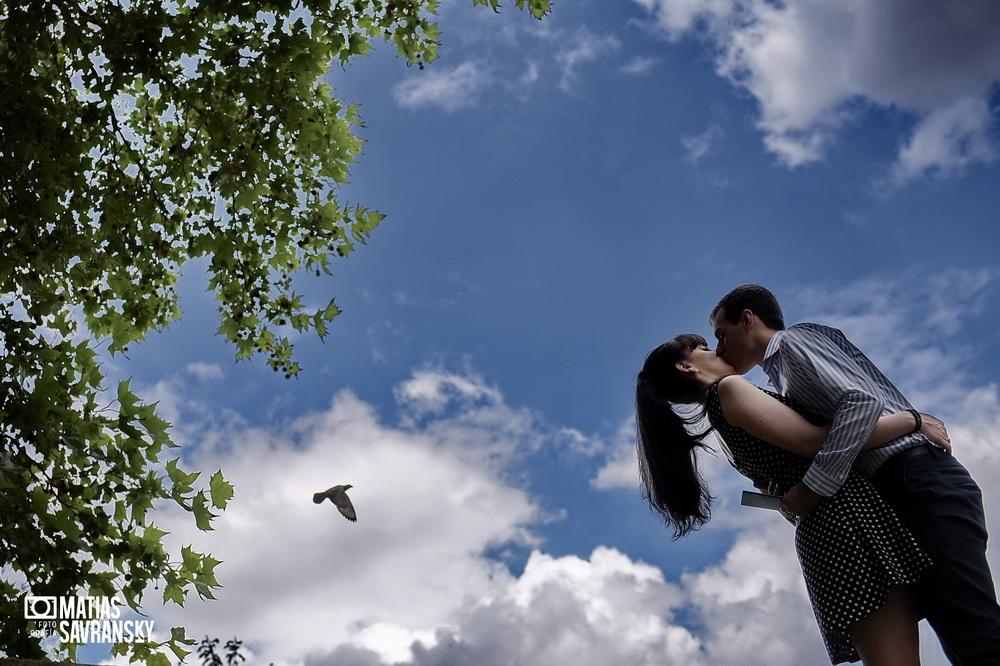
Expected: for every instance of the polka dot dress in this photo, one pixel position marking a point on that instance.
(852, 548)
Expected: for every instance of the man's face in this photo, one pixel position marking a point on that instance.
(734, 343)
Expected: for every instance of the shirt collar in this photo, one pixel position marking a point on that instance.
(771, 358)
(772, 345)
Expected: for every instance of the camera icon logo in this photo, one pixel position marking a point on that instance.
(41, 608)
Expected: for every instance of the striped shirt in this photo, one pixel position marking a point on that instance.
(818, 367)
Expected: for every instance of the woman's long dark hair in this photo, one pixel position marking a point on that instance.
(668, 467)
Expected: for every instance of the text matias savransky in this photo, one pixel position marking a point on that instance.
(86, 620)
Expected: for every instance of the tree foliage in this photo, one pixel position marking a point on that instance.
(209, 657)
(135, 136)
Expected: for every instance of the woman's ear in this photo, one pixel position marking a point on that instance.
(684, 366)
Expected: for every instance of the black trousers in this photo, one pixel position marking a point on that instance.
(938, 500)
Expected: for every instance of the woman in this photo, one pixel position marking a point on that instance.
(856, 557)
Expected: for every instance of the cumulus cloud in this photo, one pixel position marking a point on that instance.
(204, 371)
(813, 66)
(582, 47)
(299, 579)
(412, 583)
(947, 140)
(431, 391)
(912, 325)
(554, 55)
(611, 608)
(621, 469)
(605, 610)
(449, 89)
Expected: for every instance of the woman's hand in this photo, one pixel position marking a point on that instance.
(935, 430)
(770, 488)
(800, 501)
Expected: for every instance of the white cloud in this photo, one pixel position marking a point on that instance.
(410, 582)
(470, 419)
(520, 86)
(299, 578)
(450, 89)
(581, 48)
(947, 140)
(205, 371)
(909, 324)
(750, 608)
(753, 605)
(530, 76)
(813, 65)
(384, 339)
(621, 469)
(548, 54)
(639, 66)
(676, 18)
(698, 146)
(605, 610)
(611, 609)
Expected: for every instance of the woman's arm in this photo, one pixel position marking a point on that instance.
(896, 425)
(745, 406)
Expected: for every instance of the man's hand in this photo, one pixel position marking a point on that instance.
(800, 501)
(935, 430)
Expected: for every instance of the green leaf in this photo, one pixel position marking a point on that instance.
(182, 480)
(208, 570)
(173, 592)
(202, 515)
(153, 535)
(160, 659)
(126, 399)
(191, 561)
(177, 639)
(221, 490)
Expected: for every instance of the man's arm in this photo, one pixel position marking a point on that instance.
(746, 406)
(822, 376)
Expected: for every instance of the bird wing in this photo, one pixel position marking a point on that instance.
(343, 503)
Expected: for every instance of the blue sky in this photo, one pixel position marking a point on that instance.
(561, 196)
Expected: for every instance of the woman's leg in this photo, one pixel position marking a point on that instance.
(889, 636)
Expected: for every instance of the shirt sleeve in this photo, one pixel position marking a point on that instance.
(823, 376)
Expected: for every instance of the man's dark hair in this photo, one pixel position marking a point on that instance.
(754, 298)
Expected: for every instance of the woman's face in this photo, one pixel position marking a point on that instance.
(706, 361)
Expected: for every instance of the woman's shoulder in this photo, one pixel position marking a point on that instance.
(740, 399)
(738, 395)
(729, 393)
(734, 385)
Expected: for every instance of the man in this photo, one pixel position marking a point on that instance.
(930, 491)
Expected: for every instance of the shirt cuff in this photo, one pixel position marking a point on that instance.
(820, 482)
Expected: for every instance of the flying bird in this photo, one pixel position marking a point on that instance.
(338, 495)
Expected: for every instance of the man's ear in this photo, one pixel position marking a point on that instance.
(746, 319)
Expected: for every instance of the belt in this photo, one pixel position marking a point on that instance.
(914, 452)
